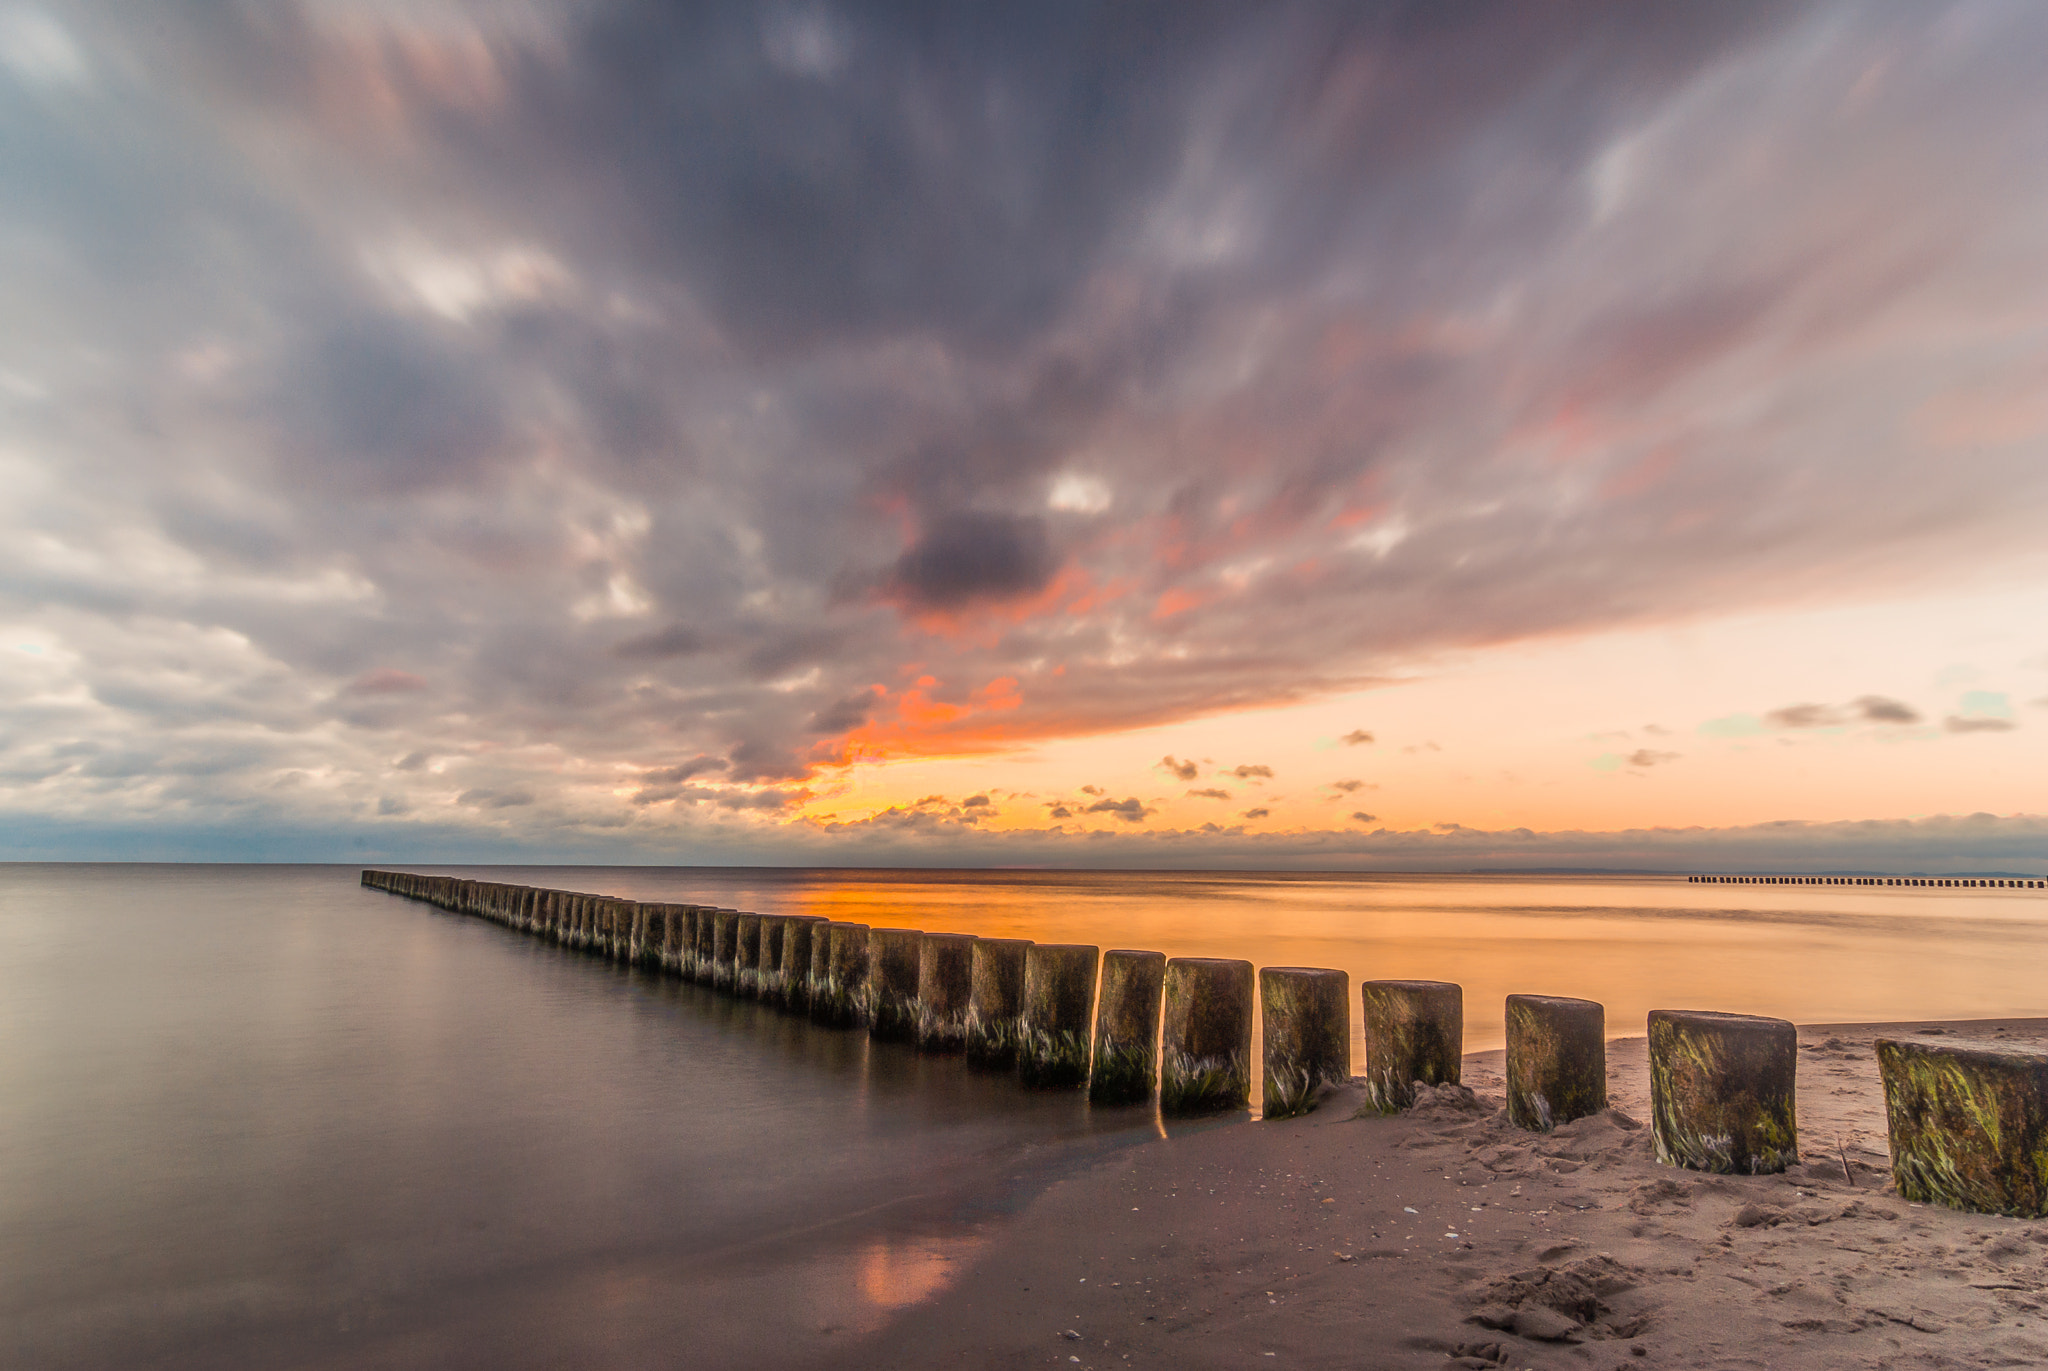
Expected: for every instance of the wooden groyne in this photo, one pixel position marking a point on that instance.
(1889, 882)
(1968, 1123)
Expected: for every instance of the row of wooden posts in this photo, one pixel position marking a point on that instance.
(1968, 1122)
(1940, 882)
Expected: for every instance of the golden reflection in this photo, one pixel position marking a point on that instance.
(895, 1273)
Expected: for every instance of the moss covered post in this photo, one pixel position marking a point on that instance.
(1721, 1091)
(1126, 1068)
(892, 983)
(846, 997)
(1969, 1124)
(1557, 1060)
(945, 976)
(995, 1002)
(1205, 1041)
(1305, 1012)
(1059, 996)
(1414, 1034)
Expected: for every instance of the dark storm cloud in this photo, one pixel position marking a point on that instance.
(968, 557)
(789, 387)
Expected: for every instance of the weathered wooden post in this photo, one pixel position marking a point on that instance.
(846, 996)
(1557, 1060)
(798, 932)
(768, 987)
(1305, 1012)
(725, 950)
(678, 939)
(1205, 1048)
(892, 983)
(704, 967)
(945, 963)
(746, 964)
(1059, 997)
(1126, 1066)
(1968, 1122)
(1721, 1091)
(995, 1002)
(1414, 1034)
(818, 991)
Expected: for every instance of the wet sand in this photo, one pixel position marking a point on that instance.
(1445, 1237)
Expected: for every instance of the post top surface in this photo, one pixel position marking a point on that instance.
(1411, 985)
(1978, 1049)
(1312, 972)
(1714, 1018)
(1131, 952)
(1208, 962)
(1557, 1001)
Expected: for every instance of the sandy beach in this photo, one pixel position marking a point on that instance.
(1445, 1237)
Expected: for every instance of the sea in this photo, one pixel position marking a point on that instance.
(261, 1116)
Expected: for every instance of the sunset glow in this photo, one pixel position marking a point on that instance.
(783, 435)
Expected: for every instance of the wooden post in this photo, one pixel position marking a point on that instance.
(1126, 1068)
(746, 963)
(1721, 1091)
(798, 932)
(725, 950)
(1557, 1060)
(995, 1003)
(1205, 1049)
(1968, 1124)
(945, 965)
(847, 996)
(1059, 996)
(892, 983)
(1306, 1015)
(1414, 1035)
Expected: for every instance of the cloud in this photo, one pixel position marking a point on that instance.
(1356, 737)
(1880, 710)
(384, 681)
(1647, 757)
(687, 396)
(485, 798)
(968, 557)
(1184, 771)
(1804, 716)
(1131, 810)
(1252, 771)
(1061, 812)
(1360, 816)
(1351, 787)
(1257, 812)
(1210, 795)
(1959, 723)
(676, 775)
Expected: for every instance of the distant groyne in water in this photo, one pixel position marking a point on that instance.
(1968, 1122)
(1914, 882)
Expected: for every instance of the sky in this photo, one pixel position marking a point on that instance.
(1388, 435)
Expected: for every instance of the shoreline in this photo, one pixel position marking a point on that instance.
(1446, 1237)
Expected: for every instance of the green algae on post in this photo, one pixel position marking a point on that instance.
(1721, 1091)
(995, 1002)
(1126, 1068)
(1205, 1041)
(1414, 1035)
(1059, 996)
(892, 983)
(1557, 1060)
(1305, 1012)
(945, 974)
(846, 997)
(1968, 1123)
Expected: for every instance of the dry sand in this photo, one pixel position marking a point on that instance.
(1446, 1237)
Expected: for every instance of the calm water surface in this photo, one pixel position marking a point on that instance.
(260, 1116)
